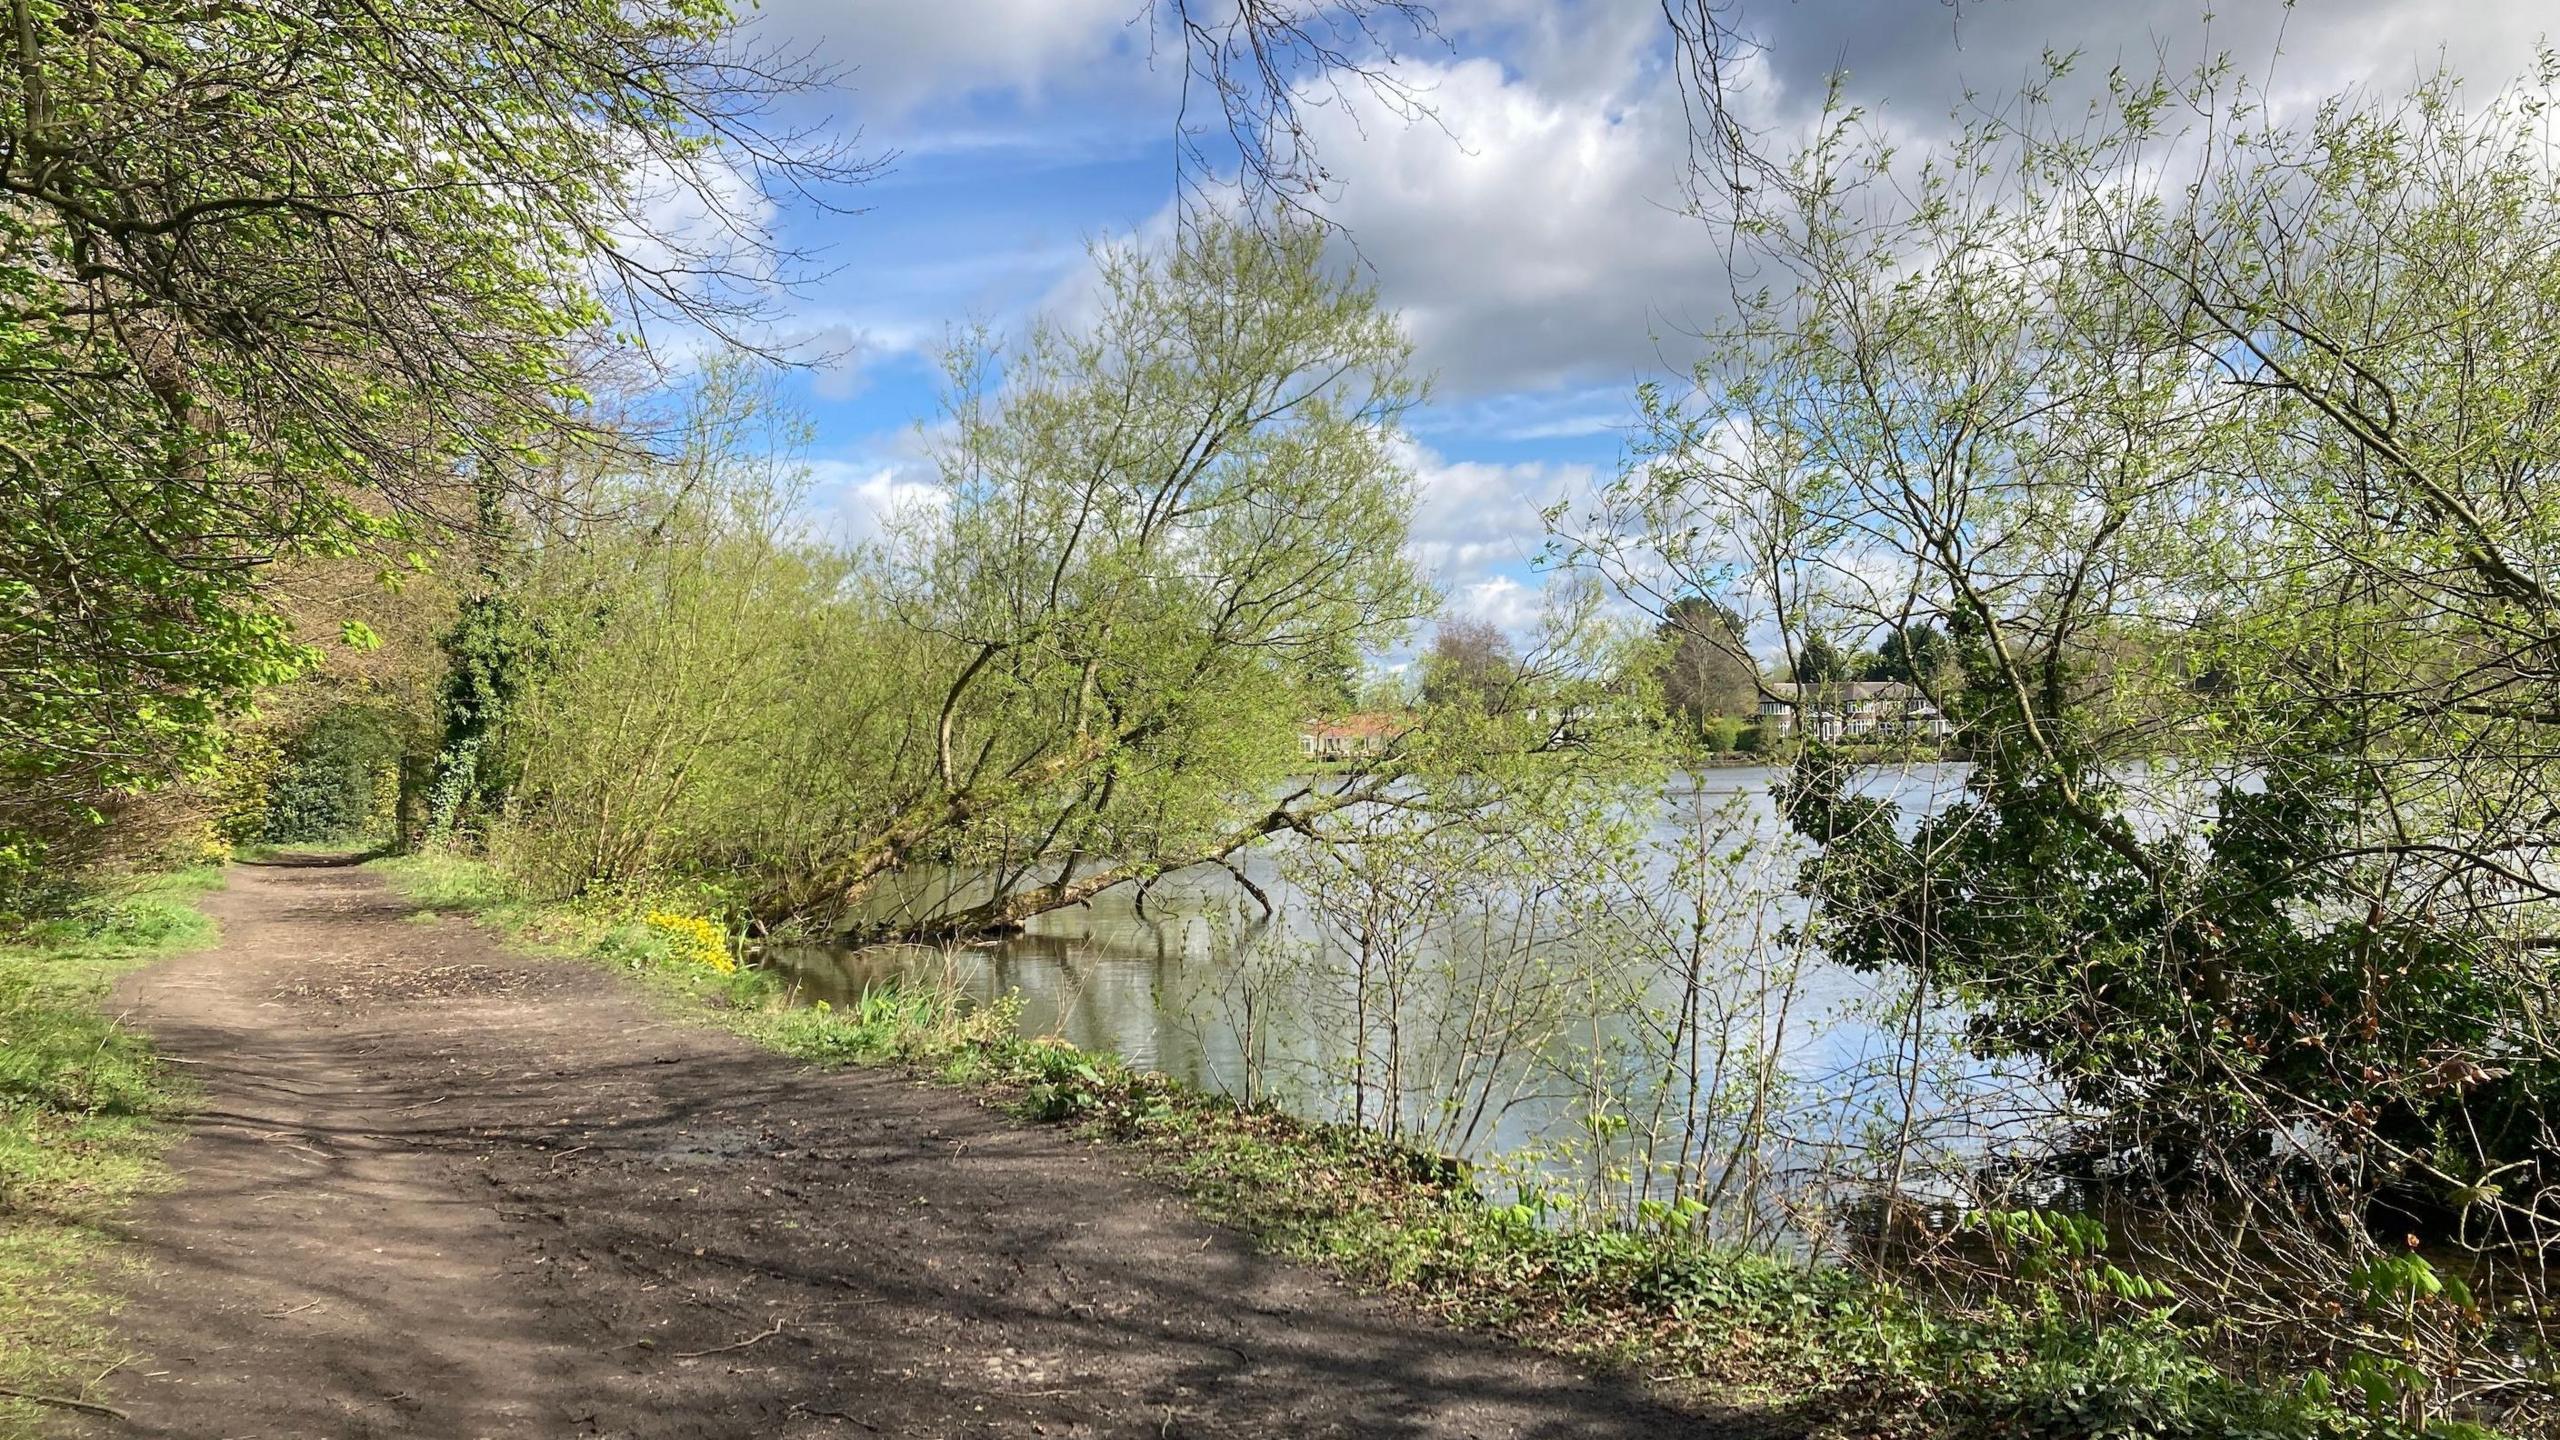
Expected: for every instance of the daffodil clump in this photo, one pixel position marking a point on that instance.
(694, 940)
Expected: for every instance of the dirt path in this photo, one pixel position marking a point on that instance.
(440, 1190)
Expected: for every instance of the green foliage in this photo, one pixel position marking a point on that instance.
(490, 655)
(1471, 663)
(330, 781)
(257, 313)
(444, 880)
(2234, 528)
(77, 1095)
(1919, 655)
(1723, 734)
(1706, 672)
(1820, 662)
(1158, 544)
(2165, 988)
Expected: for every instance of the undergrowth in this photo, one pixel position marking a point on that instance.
(1841, 1352)
(79, 1097)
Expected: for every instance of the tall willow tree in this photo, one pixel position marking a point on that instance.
(1156, 539)
(1159, 535)
(275, 280)
(2222, 443)
(1160, 539)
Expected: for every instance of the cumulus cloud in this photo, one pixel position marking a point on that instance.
(862, 498)
(1502, 599)
(1479, 527)
(1531, 229)
(1530, 239)
(1920, 61)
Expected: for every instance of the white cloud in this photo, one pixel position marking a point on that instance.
(1530, 239)
(1503, 600)
(1531, 228)
(1478, 527)
(901, 54)
(860, 499)
(1919, 61)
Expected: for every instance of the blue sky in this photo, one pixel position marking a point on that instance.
(1526, 231)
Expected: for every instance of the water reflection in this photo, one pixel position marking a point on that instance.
(1192, 980)
(1098, 976)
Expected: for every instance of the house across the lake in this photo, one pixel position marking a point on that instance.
(1851, 710)
(1349, 737)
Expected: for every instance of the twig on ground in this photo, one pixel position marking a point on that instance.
(64, 1402)
(725, 1349)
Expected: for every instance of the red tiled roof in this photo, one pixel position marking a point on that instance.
(1374, 726)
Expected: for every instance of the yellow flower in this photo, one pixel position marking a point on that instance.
(696, 940)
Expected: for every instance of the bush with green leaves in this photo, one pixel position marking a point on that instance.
(332, 781)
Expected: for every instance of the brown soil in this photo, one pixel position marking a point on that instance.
(441, 1190)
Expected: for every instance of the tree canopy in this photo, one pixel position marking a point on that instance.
(282, 281)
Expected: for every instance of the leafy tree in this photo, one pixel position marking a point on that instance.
(1820, 662)
(290, 281)
(331, 780)
(1156, 541)
(1920, 655)
(2249, 468)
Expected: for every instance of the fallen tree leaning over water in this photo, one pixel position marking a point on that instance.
(1155, 547)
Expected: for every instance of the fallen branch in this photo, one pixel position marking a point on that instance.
(725, 1349)
(1249, 887)
(85, 1407)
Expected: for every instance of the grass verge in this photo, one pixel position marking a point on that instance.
(80, 1098)
(1837, 1352)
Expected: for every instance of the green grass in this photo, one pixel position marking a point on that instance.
(80, 1102)
(441, 880)
(1845, 1353)
(342, 845)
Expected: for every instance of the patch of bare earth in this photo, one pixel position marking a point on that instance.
(441, 1190)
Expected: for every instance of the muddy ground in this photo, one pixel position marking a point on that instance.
(442, 1190)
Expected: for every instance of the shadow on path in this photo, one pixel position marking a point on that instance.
(441, 1190)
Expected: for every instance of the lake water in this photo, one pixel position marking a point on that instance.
(1193, 981)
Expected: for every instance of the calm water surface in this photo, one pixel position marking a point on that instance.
(1169, 983)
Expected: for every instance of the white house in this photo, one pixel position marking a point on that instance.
(1851, 710)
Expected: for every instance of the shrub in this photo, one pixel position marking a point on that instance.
(328, 783)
